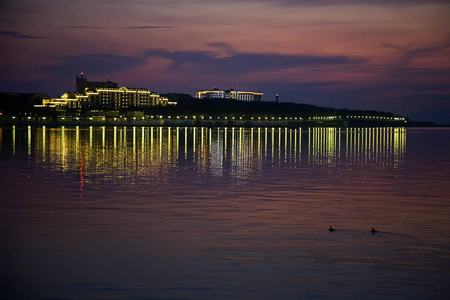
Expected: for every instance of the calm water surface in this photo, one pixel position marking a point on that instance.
(197, 213)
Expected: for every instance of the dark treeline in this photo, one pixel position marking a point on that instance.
(14, 103)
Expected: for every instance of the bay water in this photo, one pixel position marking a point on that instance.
(224, 213)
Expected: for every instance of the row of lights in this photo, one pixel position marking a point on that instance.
(254, 118)
(358, 117)
(376, 117)
(211, 118)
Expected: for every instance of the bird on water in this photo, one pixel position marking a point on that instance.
(331, 229)
(373, 230)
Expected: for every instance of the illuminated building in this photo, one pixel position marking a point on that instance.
(105, 95)
(229, 94)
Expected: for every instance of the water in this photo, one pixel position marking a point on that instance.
(197, 213)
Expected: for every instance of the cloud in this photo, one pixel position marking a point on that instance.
(92, 64)
(86, 27)
(411, 51)
(347, 2)
(19, 35)
(239, 63)
(123, 27)
(150, 27)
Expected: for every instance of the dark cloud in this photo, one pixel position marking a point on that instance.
(239, 63)
(19, 35)
(92, 64)
(347, 2)
(412, 51)
(124, 27)
(223, 46)
(86, 27)
(150, 27)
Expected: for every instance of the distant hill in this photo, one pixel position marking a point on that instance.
(217, 107)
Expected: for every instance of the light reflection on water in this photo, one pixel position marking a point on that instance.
(241, 153)
(201, 213)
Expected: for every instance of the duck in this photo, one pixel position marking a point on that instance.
(331, 229)
(373, 230)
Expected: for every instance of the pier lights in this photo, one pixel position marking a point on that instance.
(210, 117)
(142, 118)
(134, 118)
(232, 118)
(115, 119)
(202, 117)
(226, 118)
(77, 118)
(240, 118)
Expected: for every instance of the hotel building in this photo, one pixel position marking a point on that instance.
(105, 95)
(229, 94)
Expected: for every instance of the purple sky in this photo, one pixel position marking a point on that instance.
(389, 55)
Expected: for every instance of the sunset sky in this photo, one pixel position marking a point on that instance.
(389, 55)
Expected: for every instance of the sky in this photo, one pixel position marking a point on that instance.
(386, 55)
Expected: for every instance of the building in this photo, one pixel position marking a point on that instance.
(82, 83)
(229, 94)
(105, 96)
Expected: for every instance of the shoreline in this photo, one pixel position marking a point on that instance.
(205, 123)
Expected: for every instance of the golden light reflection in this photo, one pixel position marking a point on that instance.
(13, 133)
(81, 181)
(120, 155)
(29, 141)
